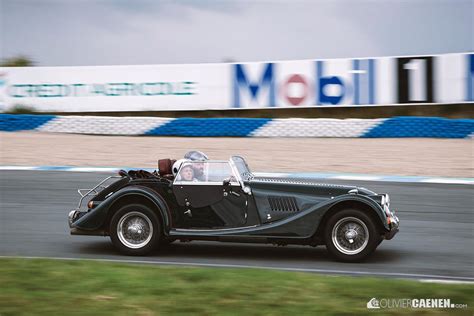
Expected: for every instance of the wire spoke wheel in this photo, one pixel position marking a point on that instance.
(350, 235)
(134, 230)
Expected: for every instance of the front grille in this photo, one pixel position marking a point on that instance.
(283, 203)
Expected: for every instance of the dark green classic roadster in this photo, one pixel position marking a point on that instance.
(218, 200)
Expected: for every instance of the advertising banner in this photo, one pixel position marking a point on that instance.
(342, 82)
(301, 83)
(116, 88)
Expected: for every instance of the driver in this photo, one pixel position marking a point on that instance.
(198, 164)
(198, 169)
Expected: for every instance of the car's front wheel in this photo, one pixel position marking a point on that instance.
(135, 230)
(351, 235)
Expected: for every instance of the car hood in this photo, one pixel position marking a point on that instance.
(304, 184)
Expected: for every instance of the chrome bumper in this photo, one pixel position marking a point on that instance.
(394, 226)
(72, 217)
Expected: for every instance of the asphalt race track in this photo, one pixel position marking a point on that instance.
(435, 240)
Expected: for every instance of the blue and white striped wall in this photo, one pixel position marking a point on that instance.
(242, 127)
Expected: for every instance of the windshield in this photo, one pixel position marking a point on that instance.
(205, 172)
(242, 167)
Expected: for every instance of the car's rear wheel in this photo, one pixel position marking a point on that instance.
(135, 230)
(351, 235)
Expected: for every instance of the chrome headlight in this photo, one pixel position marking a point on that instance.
(385, 200)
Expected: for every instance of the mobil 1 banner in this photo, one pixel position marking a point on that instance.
(415, 79)
(304, 83)
(352, 82)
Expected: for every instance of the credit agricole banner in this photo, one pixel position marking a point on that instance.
(315, 83)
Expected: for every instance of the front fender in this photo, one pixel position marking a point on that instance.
(362, 199)
(96, 218)
(308, 222)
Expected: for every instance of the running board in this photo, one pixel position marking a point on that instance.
(234, 235)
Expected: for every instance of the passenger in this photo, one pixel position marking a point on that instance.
(186, 173)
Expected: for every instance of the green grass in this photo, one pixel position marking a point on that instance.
(54, 287)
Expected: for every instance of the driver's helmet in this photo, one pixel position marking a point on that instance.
(177, 165)
(195, 155)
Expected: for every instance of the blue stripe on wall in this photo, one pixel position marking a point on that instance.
(22, 122)
(355, 66)
(204, 127)
(319, 74)
(469, 78)
(408, 126)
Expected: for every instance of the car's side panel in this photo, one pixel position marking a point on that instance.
(276, 205)
(278, 198)
(198, 195)
(95, 218)
(211, 206)
(253, 217)
(232, 209)
(303, 224)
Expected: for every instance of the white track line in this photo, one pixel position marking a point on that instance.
(419, 277)
(342, 176)
(17, 168)
(447, 181)
(445, 281)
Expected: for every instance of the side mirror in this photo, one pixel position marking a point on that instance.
(226, 182)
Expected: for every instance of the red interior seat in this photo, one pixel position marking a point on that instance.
(165, 167)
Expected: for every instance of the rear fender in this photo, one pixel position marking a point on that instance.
(97, 217)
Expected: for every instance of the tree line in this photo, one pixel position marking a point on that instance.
(17, 61)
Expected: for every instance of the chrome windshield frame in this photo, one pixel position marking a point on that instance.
(229, 162)
(236, 172)
(247, 172)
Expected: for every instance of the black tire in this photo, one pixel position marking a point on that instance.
(363, 246)
(146, 217)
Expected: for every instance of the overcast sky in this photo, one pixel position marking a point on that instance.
(111, 32)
